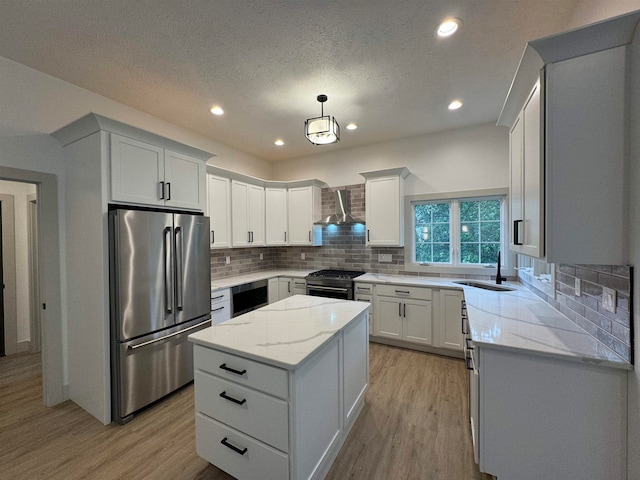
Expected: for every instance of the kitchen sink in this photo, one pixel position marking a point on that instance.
(484, 286)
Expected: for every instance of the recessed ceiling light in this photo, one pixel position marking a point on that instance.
(448, 27)
(279, 142)
(216, 110)
(456, 104)
(352, 126)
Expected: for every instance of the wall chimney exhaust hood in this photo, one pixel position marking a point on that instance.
(342, 215)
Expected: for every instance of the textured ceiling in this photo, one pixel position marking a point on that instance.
(265, 61)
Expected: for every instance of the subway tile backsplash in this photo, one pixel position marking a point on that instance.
(586, 309)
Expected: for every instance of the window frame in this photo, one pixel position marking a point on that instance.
(455, 267)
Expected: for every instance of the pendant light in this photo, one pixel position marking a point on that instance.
(324, 129)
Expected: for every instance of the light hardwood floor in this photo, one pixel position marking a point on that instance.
(414, 426)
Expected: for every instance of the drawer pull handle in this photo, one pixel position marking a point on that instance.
(233, 447)
(217, 309)
(467, 361)
(467, 340)
(232, 370)
(406, 292)
(215, 298)
(231, 399)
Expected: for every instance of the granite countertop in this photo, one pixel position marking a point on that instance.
(228, 282)
(517, 320)
(284, 333)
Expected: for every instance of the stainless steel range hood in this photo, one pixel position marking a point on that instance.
(342, 215)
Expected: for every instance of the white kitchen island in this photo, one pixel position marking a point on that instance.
(277, 390)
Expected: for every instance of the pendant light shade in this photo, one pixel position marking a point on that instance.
(324, 129)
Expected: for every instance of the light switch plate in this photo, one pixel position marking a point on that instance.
(261, 256)
(578, 287)
(385, 258)
(227, 260)
(609, 299)
(302, 256)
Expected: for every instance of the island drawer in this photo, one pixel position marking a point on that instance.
(403, 291)
(249, 373)
(237, 454)
(249, 411)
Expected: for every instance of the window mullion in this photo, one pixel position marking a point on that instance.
(455, 232)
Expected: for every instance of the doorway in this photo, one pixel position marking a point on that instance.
(49, 274)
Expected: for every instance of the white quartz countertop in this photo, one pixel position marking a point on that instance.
(228, 282)
(284, 333)
(517, 320)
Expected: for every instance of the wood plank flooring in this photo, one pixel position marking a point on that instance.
(413, 426)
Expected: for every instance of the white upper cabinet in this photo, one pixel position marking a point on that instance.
(143, 173)
(276, 216)
(569, 159)
(247, 214)
(219, 210)
(527, 178)
(384, 204)
(305, 209)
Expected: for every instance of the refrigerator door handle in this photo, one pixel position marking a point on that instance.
(179, 267)
(156, 340)
(168, 271)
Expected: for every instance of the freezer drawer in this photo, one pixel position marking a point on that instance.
(150, 367)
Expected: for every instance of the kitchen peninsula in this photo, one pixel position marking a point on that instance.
(277, 390)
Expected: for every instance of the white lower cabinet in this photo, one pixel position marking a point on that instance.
(544, 417)
(448, 327)
(273, 290)
(363, 292)
(259, 421)
(220, 306)
(288, 286)
(403, 313)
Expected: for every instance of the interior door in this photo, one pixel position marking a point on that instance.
(193, 267)
(142, 275)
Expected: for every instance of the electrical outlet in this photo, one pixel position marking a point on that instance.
(302, 256)
(385, 258)
(227, 260)
(578, 287)
(609, 299)
(261, 256)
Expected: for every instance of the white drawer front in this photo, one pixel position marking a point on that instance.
(219, 296)
(261, 416)
(220, 312)
(258, 461)
(363, 289)
(268, 379)
(403, 291)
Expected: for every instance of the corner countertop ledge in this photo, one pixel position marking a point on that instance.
(517, 320)
(228, 282)
(284, 333)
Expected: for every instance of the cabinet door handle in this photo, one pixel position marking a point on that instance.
(404, 310)
(289, 287)
(399, 309)
(462, 327)
(516, 232)
(161, 190)
(309, 235)
(232, 370)
(168, 190)
(235, 449)
(368, 239)
(248, 237)
(285, 236)
(466, 341)
(231, 399)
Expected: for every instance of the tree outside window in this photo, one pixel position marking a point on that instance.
(432, 233)
(479, 231)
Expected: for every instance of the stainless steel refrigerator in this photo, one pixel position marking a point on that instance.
(160, 282)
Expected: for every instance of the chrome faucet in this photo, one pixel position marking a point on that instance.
(499, 277)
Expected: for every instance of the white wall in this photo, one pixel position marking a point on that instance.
(20, 192)
(453, 160)
(634, 207)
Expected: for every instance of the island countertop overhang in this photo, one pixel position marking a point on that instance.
(285, 333)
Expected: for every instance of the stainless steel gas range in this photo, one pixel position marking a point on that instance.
(332, 283)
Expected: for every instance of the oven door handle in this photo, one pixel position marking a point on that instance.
(328, 289)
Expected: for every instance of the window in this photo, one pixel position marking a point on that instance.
(458, 232)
